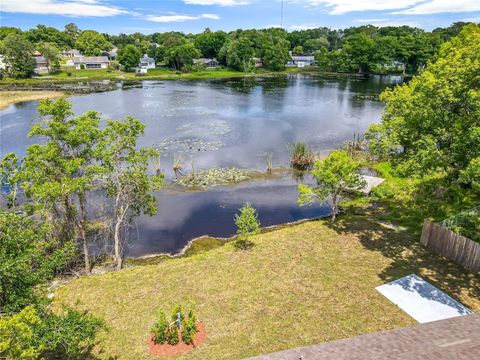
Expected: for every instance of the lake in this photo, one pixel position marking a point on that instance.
(223, 123)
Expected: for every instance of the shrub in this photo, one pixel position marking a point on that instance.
(172, 335)
(301, 156)
(189, 328)
(247, 225)
(159, 329)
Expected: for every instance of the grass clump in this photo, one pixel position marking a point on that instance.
(301, 156)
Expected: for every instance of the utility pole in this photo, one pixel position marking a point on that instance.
(281, 16)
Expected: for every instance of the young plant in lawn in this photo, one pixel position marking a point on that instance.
(159, 329)
(248, 225)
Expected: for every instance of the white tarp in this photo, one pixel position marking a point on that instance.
(421, 300)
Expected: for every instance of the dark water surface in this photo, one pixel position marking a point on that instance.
(218, 123)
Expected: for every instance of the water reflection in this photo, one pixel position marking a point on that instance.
(225, 122)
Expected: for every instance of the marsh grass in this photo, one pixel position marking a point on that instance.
(269, 161)
(178, 164)
(302, 156)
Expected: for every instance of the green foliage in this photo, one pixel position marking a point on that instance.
(209, 43)
(248, 225)
(92, 43)
(17, 52)
(31, 334)
(275, 52)
(432, 123)
(29, 256)
(240, 53)
(189, 328)
(46, 34)
(172, 335)
(159, 329)
(181, 55)
(335, 176)
(52, 56)
(129, 57)
(70, 335)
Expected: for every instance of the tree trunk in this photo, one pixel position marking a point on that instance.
(118, 244)
(334, 207)
(83, 234)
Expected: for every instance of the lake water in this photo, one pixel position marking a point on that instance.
(223, 123)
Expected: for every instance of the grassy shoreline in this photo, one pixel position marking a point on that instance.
(304, 284)
(156, 74)
(8, 98)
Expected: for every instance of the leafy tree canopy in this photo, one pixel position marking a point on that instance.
(432, 123)
(92, 43)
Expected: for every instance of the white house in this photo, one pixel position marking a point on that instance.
(3, 66)
(146, 62)
(209, 63)
(300, 60)
(40, 65)
(90, 62)
(72, 53)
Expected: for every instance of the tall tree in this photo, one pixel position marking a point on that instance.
(181, 55)
(17, 52)
(432, 123)
(129, 57)
(52, 56)
(127, 182)
(240, 54)
(92, 43)
(62, 172)
(209, 43)
(73, 32)
(334, 176)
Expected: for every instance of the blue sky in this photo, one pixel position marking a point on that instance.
(150, 16)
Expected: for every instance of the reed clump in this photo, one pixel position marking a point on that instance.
(302, 156)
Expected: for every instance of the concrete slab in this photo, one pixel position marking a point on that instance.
(371, 182)
(421, 300)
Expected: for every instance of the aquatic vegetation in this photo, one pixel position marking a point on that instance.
(301, 156)
(211, 127)
(187, 145)
(177, 164)
(213, 177)
(269, 161)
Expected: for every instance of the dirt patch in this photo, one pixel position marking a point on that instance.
(167, 350)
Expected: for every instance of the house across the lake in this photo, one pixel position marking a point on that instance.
(300, 60)
(72, 53)
(146, 62)
(90, 62)
(40, 65)
(208, 63)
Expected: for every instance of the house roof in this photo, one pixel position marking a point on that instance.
(90, 59)
(40, 60)
(303, 57)
(205, 60)
(146, 58)
(455, 338)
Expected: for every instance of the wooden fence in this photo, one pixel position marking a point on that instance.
(445, 242)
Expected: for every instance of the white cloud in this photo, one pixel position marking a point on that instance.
(442, 6)
(339, 7)
(180, 18)
(216, 2)
(388, 22)
(61, 7)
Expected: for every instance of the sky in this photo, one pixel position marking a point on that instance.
(149, 16)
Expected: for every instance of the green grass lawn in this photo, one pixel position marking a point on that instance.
(300, 285)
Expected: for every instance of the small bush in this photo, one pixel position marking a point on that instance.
(160, 328)
(243, 244)
(69, 73)
(172, 335)
(247, 225)
(189, 328)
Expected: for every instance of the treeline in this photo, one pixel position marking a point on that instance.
(356, 49)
